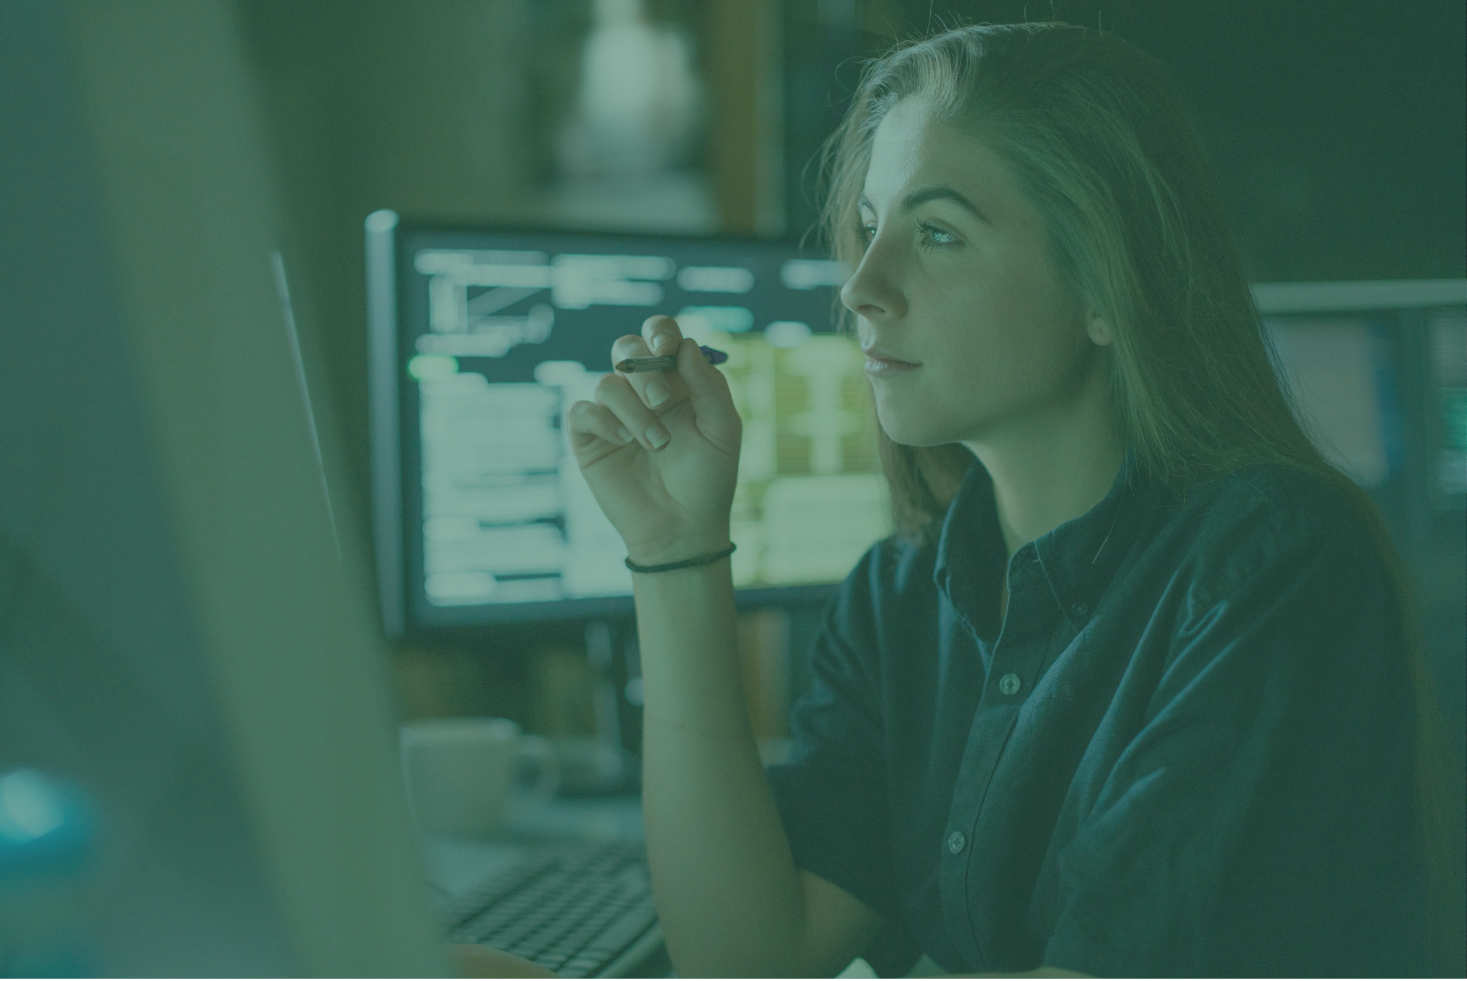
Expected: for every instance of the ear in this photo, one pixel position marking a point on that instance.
(1097, 329)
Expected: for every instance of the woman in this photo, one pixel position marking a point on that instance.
(1133, 689)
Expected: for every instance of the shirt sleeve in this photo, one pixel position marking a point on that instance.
(830, 794)
(1260, 821)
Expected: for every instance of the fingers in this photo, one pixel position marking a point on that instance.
(662, 334)
(615, 393)
(632, 346)
(590, 421)
(632, 402)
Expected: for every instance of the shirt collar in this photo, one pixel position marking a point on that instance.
(1078, 558)
(970, 551)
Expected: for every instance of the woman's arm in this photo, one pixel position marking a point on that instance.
(729, 897)
(660, 454)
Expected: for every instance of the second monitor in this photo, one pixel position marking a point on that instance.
(482, 338)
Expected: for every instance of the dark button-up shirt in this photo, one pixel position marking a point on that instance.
(1185, 748)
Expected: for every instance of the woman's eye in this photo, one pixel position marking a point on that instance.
(934, 236)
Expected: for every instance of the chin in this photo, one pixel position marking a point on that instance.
(912, 430)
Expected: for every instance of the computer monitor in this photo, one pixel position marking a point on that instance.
(1355, 356)
(179, 633)
(480, 340)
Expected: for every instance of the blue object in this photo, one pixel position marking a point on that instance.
(47, 836)
(46, 826)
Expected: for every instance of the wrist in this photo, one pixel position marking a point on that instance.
(708, 558)
(678, 549)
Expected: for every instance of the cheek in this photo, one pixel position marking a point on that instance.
(981, 343)
(1026, 335)
(1002, 351)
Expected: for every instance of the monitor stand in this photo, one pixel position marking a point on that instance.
(608, 768)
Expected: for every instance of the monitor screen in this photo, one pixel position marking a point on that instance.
(481, 339)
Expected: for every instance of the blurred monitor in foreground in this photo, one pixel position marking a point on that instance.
(482, 338)
(180, 636)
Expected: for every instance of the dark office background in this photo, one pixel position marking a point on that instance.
(1337, 130)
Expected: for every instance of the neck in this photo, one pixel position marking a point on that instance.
(1052, 465)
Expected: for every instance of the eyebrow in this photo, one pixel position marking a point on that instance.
(938, 193)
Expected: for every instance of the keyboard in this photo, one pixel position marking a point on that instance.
(577, 910)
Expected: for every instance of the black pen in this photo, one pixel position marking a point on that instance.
(668, 361)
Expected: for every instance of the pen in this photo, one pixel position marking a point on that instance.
(667, 362)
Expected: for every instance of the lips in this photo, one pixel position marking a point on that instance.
(882, 362)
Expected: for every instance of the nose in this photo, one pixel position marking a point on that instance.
(873, 291)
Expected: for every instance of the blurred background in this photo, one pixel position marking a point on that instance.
(1337, 129)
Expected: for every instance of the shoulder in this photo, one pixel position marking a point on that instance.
(1279, 504)
(1268, 519)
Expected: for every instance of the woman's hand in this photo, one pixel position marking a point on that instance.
(478, 961)
(660, 449)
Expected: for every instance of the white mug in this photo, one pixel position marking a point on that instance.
(460, 772)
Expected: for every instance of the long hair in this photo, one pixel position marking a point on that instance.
(1099, 142)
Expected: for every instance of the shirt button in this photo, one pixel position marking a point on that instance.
(956, 842)
(1079, 610)
(1009, 684)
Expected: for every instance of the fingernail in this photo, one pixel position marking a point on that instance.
(661, 342)
(657, 392)
(625, 435)
(657, 435)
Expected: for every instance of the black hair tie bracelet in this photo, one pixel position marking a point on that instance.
(708, 559)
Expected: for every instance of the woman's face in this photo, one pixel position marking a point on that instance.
(970, 330)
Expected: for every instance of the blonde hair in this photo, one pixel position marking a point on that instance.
(1096, 137)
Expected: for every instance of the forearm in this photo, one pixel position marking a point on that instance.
(728, 894)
